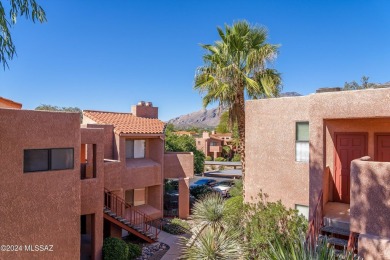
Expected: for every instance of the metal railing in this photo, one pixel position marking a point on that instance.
(136, 217)
(316, 222)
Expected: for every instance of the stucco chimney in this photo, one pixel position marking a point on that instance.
(146, 110)
(206, 135)
(213, 132)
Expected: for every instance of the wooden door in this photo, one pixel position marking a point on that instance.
(382, 147)
(349, 146)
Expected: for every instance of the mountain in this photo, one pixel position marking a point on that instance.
(205, 118)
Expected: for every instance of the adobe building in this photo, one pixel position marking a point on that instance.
(212, 144)
(66, 187)
(328, 156)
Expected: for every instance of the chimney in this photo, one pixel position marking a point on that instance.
(145, 109)
(206, 135)
(213, 132)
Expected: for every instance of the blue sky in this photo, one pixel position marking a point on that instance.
(108, 55)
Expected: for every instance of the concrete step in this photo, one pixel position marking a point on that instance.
(332, 222)
(337, 241)
(335, 230)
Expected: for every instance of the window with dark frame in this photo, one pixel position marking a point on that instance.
(302, 142)
(37, 160)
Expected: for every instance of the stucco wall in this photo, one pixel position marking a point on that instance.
(40, 208)
(178, 165)
(366, 125)
(270, 150)
(359, 104)
(373, 247)
(109, 140)
(370, 198)
(92, 190)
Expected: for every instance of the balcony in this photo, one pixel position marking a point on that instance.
(142, 173)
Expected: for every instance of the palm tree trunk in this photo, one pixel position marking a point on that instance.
(241, 132)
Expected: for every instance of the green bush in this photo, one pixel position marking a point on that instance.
(180, 222)
(176, 227)
(220, 159)
(236, 158)
(134, 251)
(115, 249)
(208, 158)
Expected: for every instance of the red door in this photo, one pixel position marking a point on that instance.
(349, 146)
(382, 147)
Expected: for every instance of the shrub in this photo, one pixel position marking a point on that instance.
(221, 167)
(180, 222)
(134, 251)
(236, 158)
(176, 227)
(220, 159)
(208, 158)
(115, 249)
(237, 189)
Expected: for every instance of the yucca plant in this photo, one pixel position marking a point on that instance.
(300, 250)
(213, 243)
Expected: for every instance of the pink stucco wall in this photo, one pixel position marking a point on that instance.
(92, 189)
(39, 208)
(178, 165)
(369, 208)
(270, 150)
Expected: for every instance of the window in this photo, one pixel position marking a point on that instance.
(302, 210)
(302, 142)
(213, 144)
(36, 160)
(135, 149)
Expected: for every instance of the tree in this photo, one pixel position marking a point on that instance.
(235, 66)
(184, 143)
(27, 8)
(56, 108)
(353, 85)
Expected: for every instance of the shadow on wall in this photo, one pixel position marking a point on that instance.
(370, 197)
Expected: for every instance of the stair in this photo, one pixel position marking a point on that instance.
(119, 212)
(134, 229)
(336, 236)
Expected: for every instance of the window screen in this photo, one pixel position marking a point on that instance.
(135, 149)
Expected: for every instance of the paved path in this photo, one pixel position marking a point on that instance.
(173, 241)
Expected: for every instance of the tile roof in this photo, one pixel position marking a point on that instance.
(126, 123)
(10, 103)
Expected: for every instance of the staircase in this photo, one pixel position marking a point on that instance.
(340, 238)
(119, 212)
(336, 233)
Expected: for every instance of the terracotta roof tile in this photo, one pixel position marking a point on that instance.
(126, 123)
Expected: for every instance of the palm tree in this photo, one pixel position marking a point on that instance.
(235, 66)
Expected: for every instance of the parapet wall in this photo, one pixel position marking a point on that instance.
(178, 165)
(370, 207)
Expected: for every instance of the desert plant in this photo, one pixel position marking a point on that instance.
(115, 249)
(297, 249)
(236, 158)
(180, 222)
(208, 158)
(220, 159)
(200, 191)
(213, 243)
(237, 189)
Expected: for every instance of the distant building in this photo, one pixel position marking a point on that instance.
(212, 144)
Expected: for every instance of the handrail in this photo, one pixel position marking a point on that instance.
(134, 216)
(316, 222)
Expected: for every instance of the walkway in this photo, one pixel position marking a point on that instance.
(173, 241)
